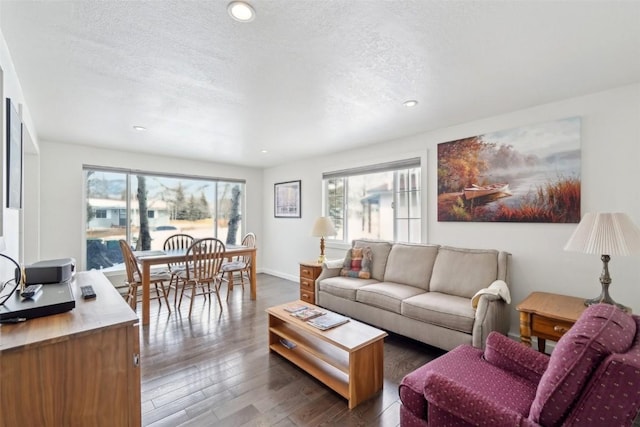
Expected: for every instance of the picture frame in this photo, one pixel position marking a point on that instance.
(14, 157)
(287, 200)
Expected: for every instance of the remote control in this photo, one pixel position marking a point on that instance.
(87, 292)
(30, 291)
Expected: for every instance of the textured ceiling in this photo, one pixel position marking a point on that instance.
(305, 77)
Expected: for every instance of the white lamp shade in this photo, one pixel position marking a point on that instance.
(605, 234)
(323, 227)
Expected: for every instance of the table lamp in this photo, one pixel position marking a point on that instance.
(322, 228)
(605, 234)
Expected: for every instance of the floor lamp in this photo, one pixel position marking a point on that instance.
(605, 234)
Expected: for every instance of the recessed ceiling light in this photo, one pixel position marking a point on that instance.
(241, 11)
(264, 151)
(140, 128)
(410, 103)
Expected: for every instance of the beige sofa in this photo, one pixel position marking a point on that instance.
(423, 292)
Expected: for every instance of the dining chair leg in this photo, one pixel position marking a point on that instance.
(217, 288)
(166, 296)
(193, 295)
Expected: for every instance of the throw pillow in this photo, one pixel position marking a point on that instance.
(357, 263)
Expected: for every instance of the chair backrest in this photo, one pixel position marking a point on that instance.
(612, 395)
(130, 262)
(249, 240)
(601, 331)
(177, 242)
(205, 256)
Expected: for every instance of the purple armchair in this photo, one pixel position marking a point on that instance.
(592, 378)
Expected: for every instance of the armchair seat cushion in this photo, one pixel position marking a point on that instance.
(461, 365)
(440, 309)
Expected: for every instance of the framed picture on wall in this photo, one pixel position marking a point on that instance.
(286, 199)
(14, 157)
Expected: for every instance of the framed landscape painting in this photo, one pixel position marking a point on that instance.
(528, 174)
(286, 201)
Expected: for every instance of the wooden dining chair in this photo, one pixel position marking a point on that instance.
(240, 265)
(134, 279)
(202, 275)
(176, 242)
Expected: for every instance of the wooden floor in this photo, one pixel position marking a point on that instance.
(216, 369)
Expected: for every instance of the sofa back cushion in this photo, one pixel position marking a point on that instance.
(379, 252)
(463, 272)
(602, 329)
(411, 264)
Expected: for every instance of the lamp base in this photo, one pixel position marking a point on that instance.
(606, 299)
(321, 259)
(605, 281)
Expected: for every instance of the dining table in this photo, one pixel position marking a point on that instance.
(149, 258)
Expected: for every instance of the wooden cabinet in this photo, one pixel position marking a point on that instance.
(309, 272)
(547, 316)
(79, 368)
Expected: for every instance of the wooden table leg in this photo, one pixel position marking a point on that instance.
(525, 328)
(541, 345)
(146, 274)
(253, 275)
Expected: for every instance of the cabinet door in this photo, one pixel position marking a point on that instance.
(81, 381)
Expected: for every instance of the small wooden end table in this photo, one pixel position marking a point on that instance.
(547, 316)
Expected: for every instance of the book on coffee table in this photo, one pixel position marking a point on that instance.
(308, 314)
(328, 321)
(292, 308)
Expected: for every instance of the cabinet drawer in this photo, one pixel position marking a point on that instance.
(307, 285)
(307, 296)
(549, 328)
(308, 272)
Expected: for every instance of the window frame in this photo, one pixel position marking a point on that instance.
(129, 173)
(396, 166)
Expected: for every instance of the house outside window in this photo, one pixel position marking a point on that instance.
(381, 201)
(200, 207)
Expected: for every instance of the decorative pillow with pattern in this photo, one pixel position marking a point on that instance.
(357, 263)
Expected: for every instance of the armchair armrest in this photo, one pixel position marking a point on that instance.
(443, 394)
(514, 357)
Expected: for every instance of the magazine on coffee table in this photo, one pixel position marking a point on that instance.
(307, 314)
(328, 321)
(292, 308)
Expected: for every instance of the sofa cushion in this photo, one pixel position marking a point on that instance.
(602, 329)
(357, 263)
(440, 309)
(411, 264)
(463, 272)
(386, 295)
(379, 251)
(343, 287)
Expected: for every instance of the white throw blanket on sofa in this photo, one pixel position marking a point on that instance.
(498, 288)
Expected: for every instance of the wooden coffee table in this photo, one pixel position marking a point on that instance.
(347, 358)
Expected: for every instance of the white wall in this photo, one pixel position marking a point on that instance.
(11, 222)
(61, 190)
(610, 182)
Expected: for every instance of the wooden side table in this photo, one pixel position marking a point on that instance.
(309, 272)
(547, 316)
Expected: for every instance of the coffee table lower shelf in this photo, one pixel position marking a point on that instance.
(348, 359)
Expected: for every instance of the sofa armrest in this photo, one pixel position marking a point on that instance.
(514, 357)
(443, 394)
(328, 270)
(492, 314)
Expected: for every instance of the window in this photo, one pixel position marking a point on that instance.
(144, 209)
(376, 202)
